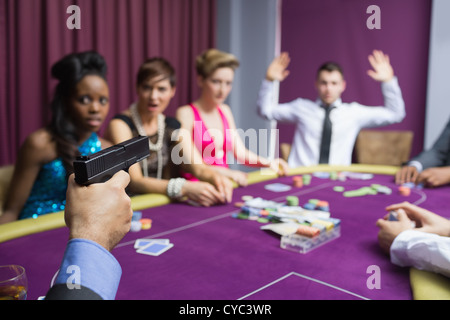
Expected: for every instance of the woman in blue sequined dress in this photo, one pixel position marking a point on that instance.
(44, 161)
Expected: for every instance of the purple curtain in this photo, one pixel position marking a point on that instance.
(317, 31)
(34, 35)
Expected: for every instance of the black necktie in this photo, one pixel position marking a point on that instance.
(326, 136)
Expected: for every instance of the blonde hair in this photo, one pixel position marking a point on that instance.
(213, 59)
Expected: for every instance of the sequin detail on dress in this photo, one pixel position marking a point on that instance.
(49, 190)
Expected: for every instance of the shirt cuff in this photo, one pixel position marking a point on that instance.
(399, 249)
(266, 83)
(424, 251)
(416, 164)
(392, 83)
(88, 264)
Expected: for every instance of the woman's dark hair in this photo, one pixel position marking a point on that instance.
(155, 67)
(69, 71)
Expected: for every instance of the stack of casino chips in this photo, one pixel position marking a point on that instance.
(405, 188)
(307, 179)
(297, 181)
(404, 191)
(146, 223)
(310, 227)
(260, 215)
(138, 223)
(300, 181)
(308, 231)
(317, 226)
(135, 223)
(292, 201)
(315, 204)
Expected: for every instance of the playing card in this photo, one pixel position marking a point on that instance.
(277, 187)
(155, 248)
(139, 243)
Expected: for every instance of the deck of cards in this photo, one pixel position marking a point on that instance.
(152, 247)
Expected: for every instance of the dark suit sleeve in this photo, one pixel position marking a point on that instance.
(439, 154)
(62, 292)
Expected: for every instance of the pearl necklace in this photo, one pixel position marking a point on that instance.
(152, 146)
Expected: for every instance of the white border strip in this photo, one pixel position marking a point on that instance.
(307, 278)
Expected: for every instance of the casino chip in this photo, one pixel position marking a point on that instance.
(136, 226)
(146, 223)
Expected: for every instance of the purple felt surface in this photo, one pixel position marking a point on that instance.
(219, 257)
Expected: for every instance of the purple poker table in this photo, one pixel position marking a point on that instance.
(218, 257)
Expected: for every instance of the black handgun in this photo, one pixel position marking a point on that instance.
(101, 166)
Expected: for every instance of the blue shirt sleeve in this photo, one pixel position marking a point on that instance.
(88, 264)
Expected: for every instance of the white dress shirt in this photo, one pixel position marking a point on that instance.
(424, 251)
(347, 120)
(417, 165)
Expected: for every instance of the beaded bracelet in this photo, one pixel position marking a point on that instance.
(174, 187)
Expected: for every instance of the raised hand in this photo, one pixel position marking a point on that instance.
(277, 68)
(382, 69)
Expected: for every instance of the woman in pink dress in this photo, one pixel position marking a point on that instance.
(209, 122)
(159, 173)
